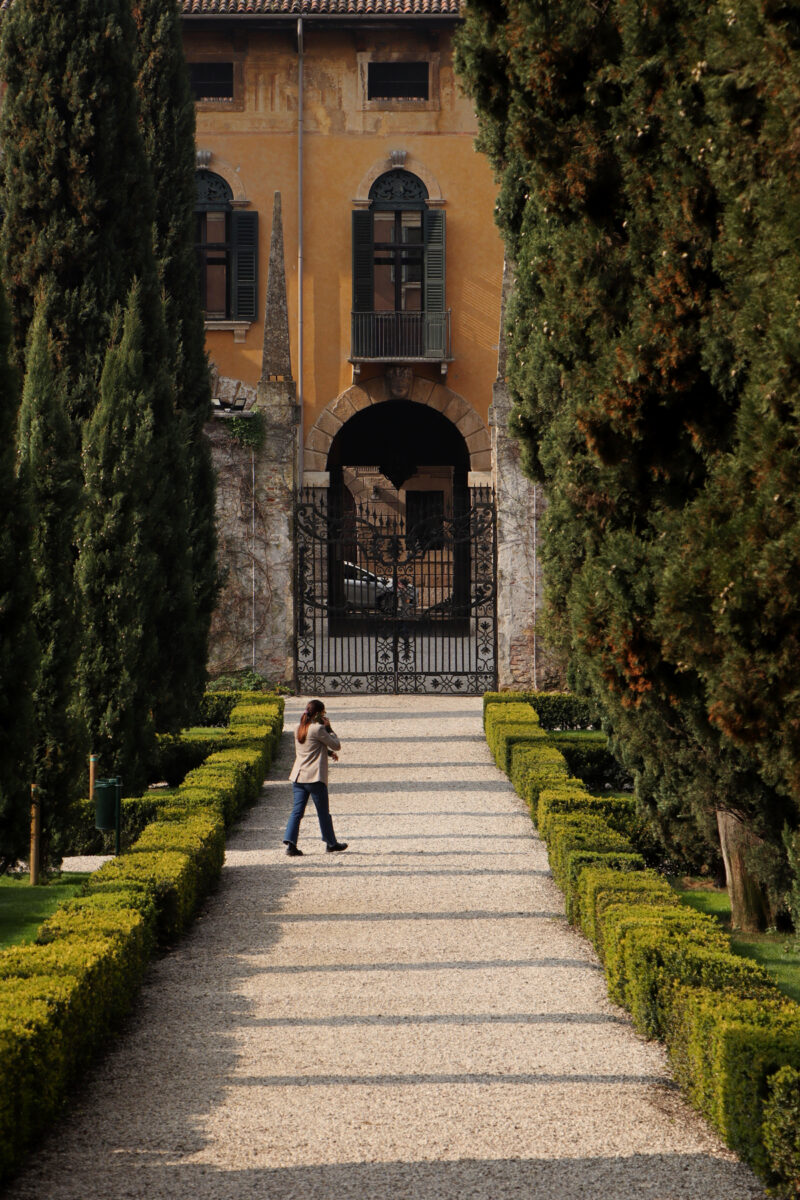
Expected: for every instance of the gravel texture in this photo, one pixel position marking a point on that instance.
(413, 1018)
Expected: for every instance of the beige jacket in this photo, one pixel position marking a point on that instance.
(311, 759)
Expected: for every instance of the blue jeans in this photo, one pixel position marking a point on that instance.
(319, 794)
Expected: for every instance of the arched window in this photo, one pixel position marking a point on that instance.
(227, 248)
(399, 274)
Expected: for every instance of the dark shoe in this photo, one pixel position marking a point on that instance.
(292, 850)
(336, 846)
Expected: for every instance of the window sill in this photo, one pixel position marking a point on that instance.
(238, 328)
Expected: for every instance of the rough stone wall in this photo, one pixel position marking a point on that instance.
(523, 658)
(253, 626)
(517, 528)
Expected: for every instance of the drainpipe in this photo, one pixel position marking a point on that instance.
(253, 549)
(300, 247)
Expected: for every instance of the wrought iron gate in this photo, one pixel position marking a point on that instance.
(384, 607)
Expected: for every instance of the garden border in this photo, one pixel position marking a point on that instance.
(62, 995)
(733, 1038)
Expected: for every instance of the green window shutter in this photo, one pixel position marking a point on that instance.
(244, 265)
(436, 340)
(434, 295)
(363, 255)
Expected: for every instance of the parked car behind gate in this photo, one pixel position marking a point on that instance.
(365, 589)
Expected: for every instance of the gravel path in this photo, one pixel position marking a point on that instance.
(413, 1018)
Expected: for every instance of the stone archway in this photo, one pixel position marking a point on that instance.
(398, 384)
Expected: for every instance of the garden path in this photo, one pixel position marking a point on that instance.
(413, 1018)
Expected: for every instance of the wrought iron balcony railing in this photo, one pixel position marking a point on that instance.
(400, 336)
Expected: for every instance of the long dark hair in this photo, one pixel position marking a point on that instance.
(313, 709)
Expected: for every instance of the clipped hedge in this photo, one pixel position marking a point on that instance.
(588, 756)
(63, 995)
(555, 710)
(619, 812)
(176, 756)
(725, 1049)
(732, 1037)
(507, 725)
(781, 1128)
(137, 813)
(563, 710)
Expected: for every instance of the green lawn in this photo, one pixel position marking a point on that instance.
(23, 908)
(772, 950)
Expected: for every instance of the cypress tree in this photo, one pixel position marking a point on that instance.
(119, 570)
(18, 651)
(167, 117)
(620, 357)
(49, 469)
(729, 599)
(75, 187)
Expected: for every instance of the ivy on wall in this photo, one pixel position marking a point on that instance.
(248, 431)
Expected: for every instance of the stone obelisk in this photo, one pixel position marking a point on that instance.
(276, 469)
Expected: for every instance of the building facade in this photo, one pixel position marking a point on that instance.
(352, 282)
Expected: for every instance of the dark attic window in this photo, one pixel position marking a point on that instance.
(397, 81)
(211, 80)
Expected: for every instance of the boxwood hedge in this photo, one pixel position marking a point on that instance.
(732, 1036)
(61, 996)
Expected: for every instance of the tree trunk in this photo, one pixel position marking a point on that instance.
(750, 909)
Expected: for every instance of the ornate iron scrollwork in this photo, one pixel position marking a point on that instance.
(386, 608)
(398, 187)
(212, 191)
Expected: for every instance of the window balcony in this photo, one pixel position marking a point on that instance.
(401, 337)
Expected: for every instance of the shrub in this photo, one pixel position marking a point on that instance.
(587, 755)
(622, 922)
(563, 710)
(506, 726)
(567, 832)
(216, 707)
(538, 765)
(623, 861)
(176, 756)
(504, 698)
(652, 951)
(137, 813)
(618, 812)
(733, 1039)
(602, 890)
(61, 996)
(724, 1048)
(780, 1129)
(555, 710)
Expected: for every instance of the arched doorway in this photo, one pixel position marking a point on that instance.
(396, 560)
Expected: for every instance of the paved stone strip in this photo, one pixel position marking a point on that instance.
(413, 1018)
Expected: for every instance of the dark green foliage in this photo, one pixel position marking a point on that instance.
(792, 844)
(167, 118)
(730, 595)
(654, 390)
(119, 570)
(563, 710)
(138, 668)
(49, 469)
(247, 680)
(216, 707)
(76, 192)
(18, 650)
(137, 812)
(589, 758)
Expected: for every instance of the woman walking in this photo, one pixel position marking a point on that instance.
(314, 743)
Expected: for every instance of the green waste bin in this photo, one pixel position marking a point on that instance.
(105, 804)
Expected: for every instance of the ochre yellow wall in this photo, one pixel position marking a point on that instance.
(255, 148)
